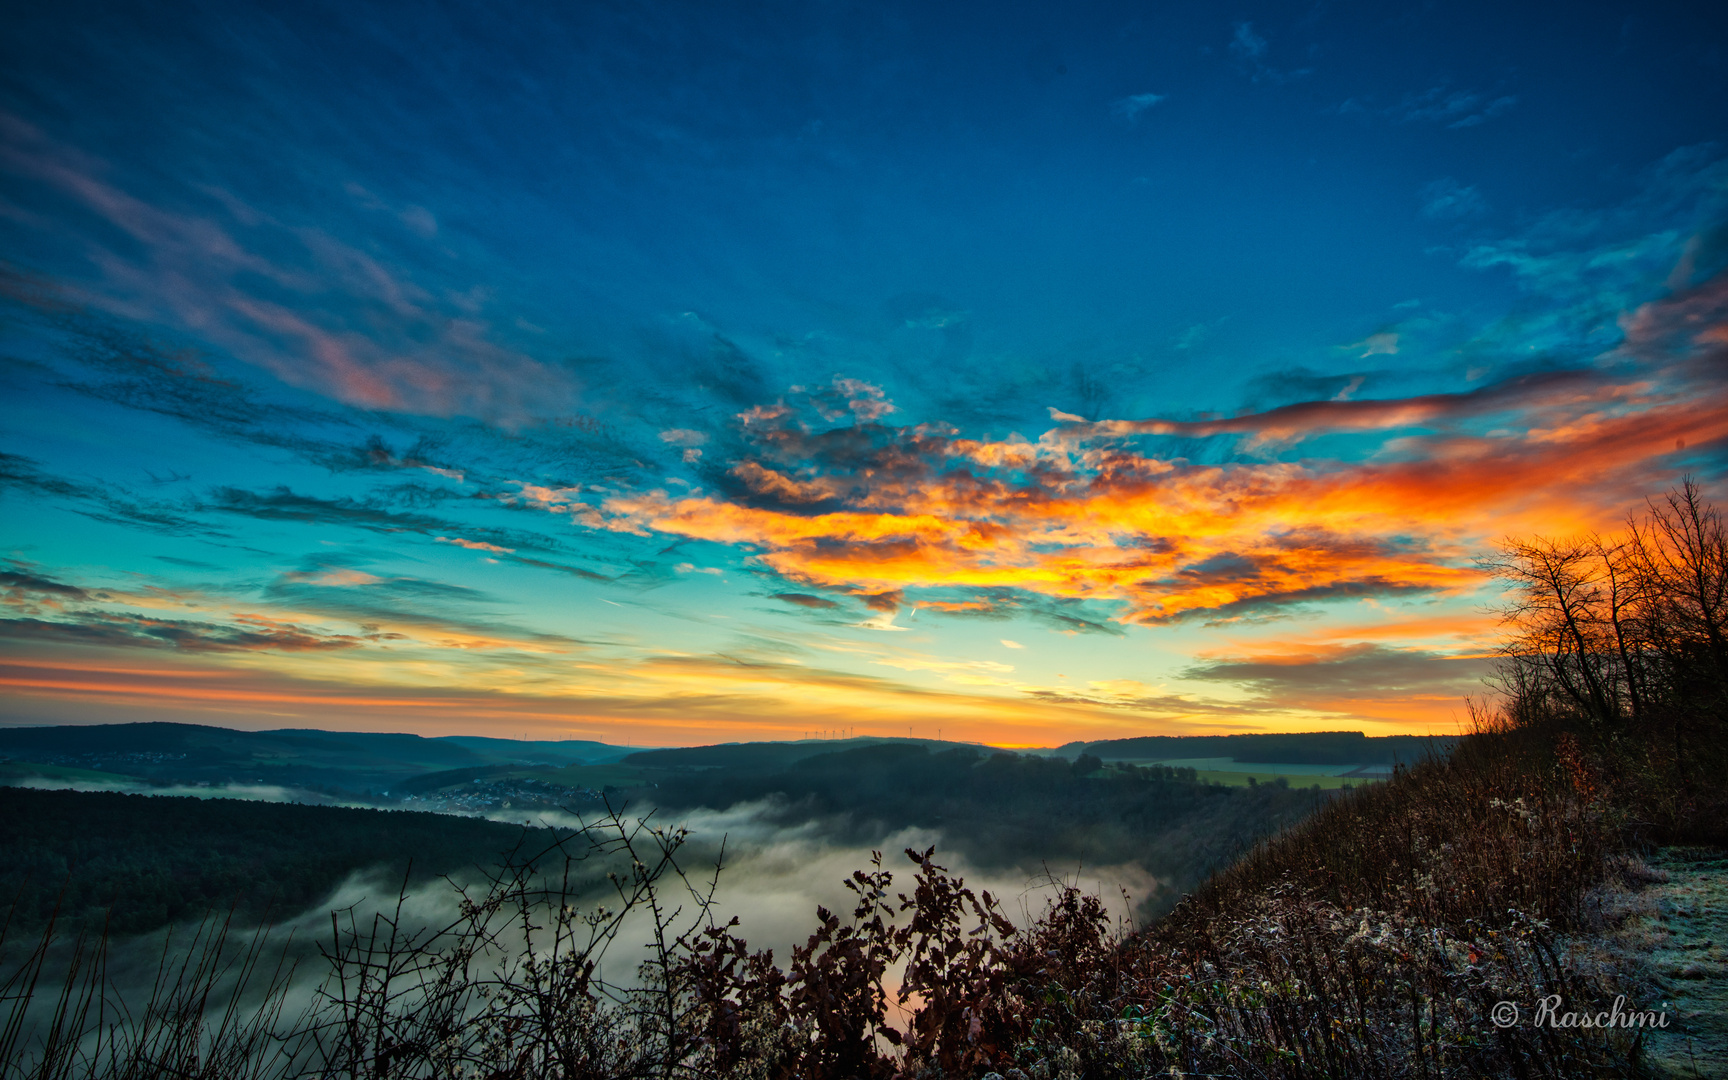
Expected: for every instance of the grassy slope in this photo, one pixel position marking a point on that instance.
(1373, 939)
(1376, 938)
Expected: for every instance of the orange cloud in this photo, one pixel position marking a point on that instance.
(1087, 513)
(474, 545)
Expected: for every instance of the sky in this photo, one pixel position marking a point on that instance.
(671, 373)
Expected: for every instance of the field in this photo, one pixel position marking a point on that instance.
(1231, 773)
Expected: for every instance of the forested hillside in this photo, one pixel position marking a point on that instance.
(154, 860)
(162, 859)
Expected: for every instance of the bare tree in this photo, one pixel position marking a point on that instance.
(1559, 616)
(1682, 552)
(1621, 632)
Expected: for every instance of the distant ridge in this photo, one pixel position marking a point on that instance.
(1305, 748)
(759, 755)
(349, 763)
(160, 736)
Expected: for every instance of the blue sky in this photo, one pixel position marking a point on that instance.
(669, 373)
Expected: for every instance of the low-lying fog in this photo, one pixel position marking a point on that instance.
(772, 878)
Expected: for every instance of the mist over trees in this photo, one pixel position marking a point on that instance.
(1010, 810)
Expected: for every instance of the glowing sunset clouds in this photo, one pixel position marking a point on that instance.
(700, 372)
(1085, 513)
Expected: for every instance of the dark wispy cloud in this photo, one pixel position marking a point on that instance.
(1453, 108)
(24, 589)
(1330, 674)
(284, 504)
(1447, 199)
(140, 631)
(1251, 49)
(562, 568)
(374, 514)
(1130, 696)
(1065, 614)
(806, 600)
(52, 610)
(125, 367)
(1130, 107)
(99, 501)
(425, 609)
(1513, 394)
(1441, 105)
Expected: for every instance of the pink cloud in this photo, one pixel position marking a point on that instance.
(329, 317)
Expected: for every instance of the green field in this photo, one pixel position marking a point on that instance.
(12, 772)
(1233, 773)
(1295, 780)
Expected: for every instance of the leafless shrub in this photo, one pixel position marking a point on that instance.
(508, 988)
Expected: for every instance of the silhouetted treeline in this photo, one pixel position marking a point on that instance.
(1297, 748)
(751, 756)
(157, 860)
